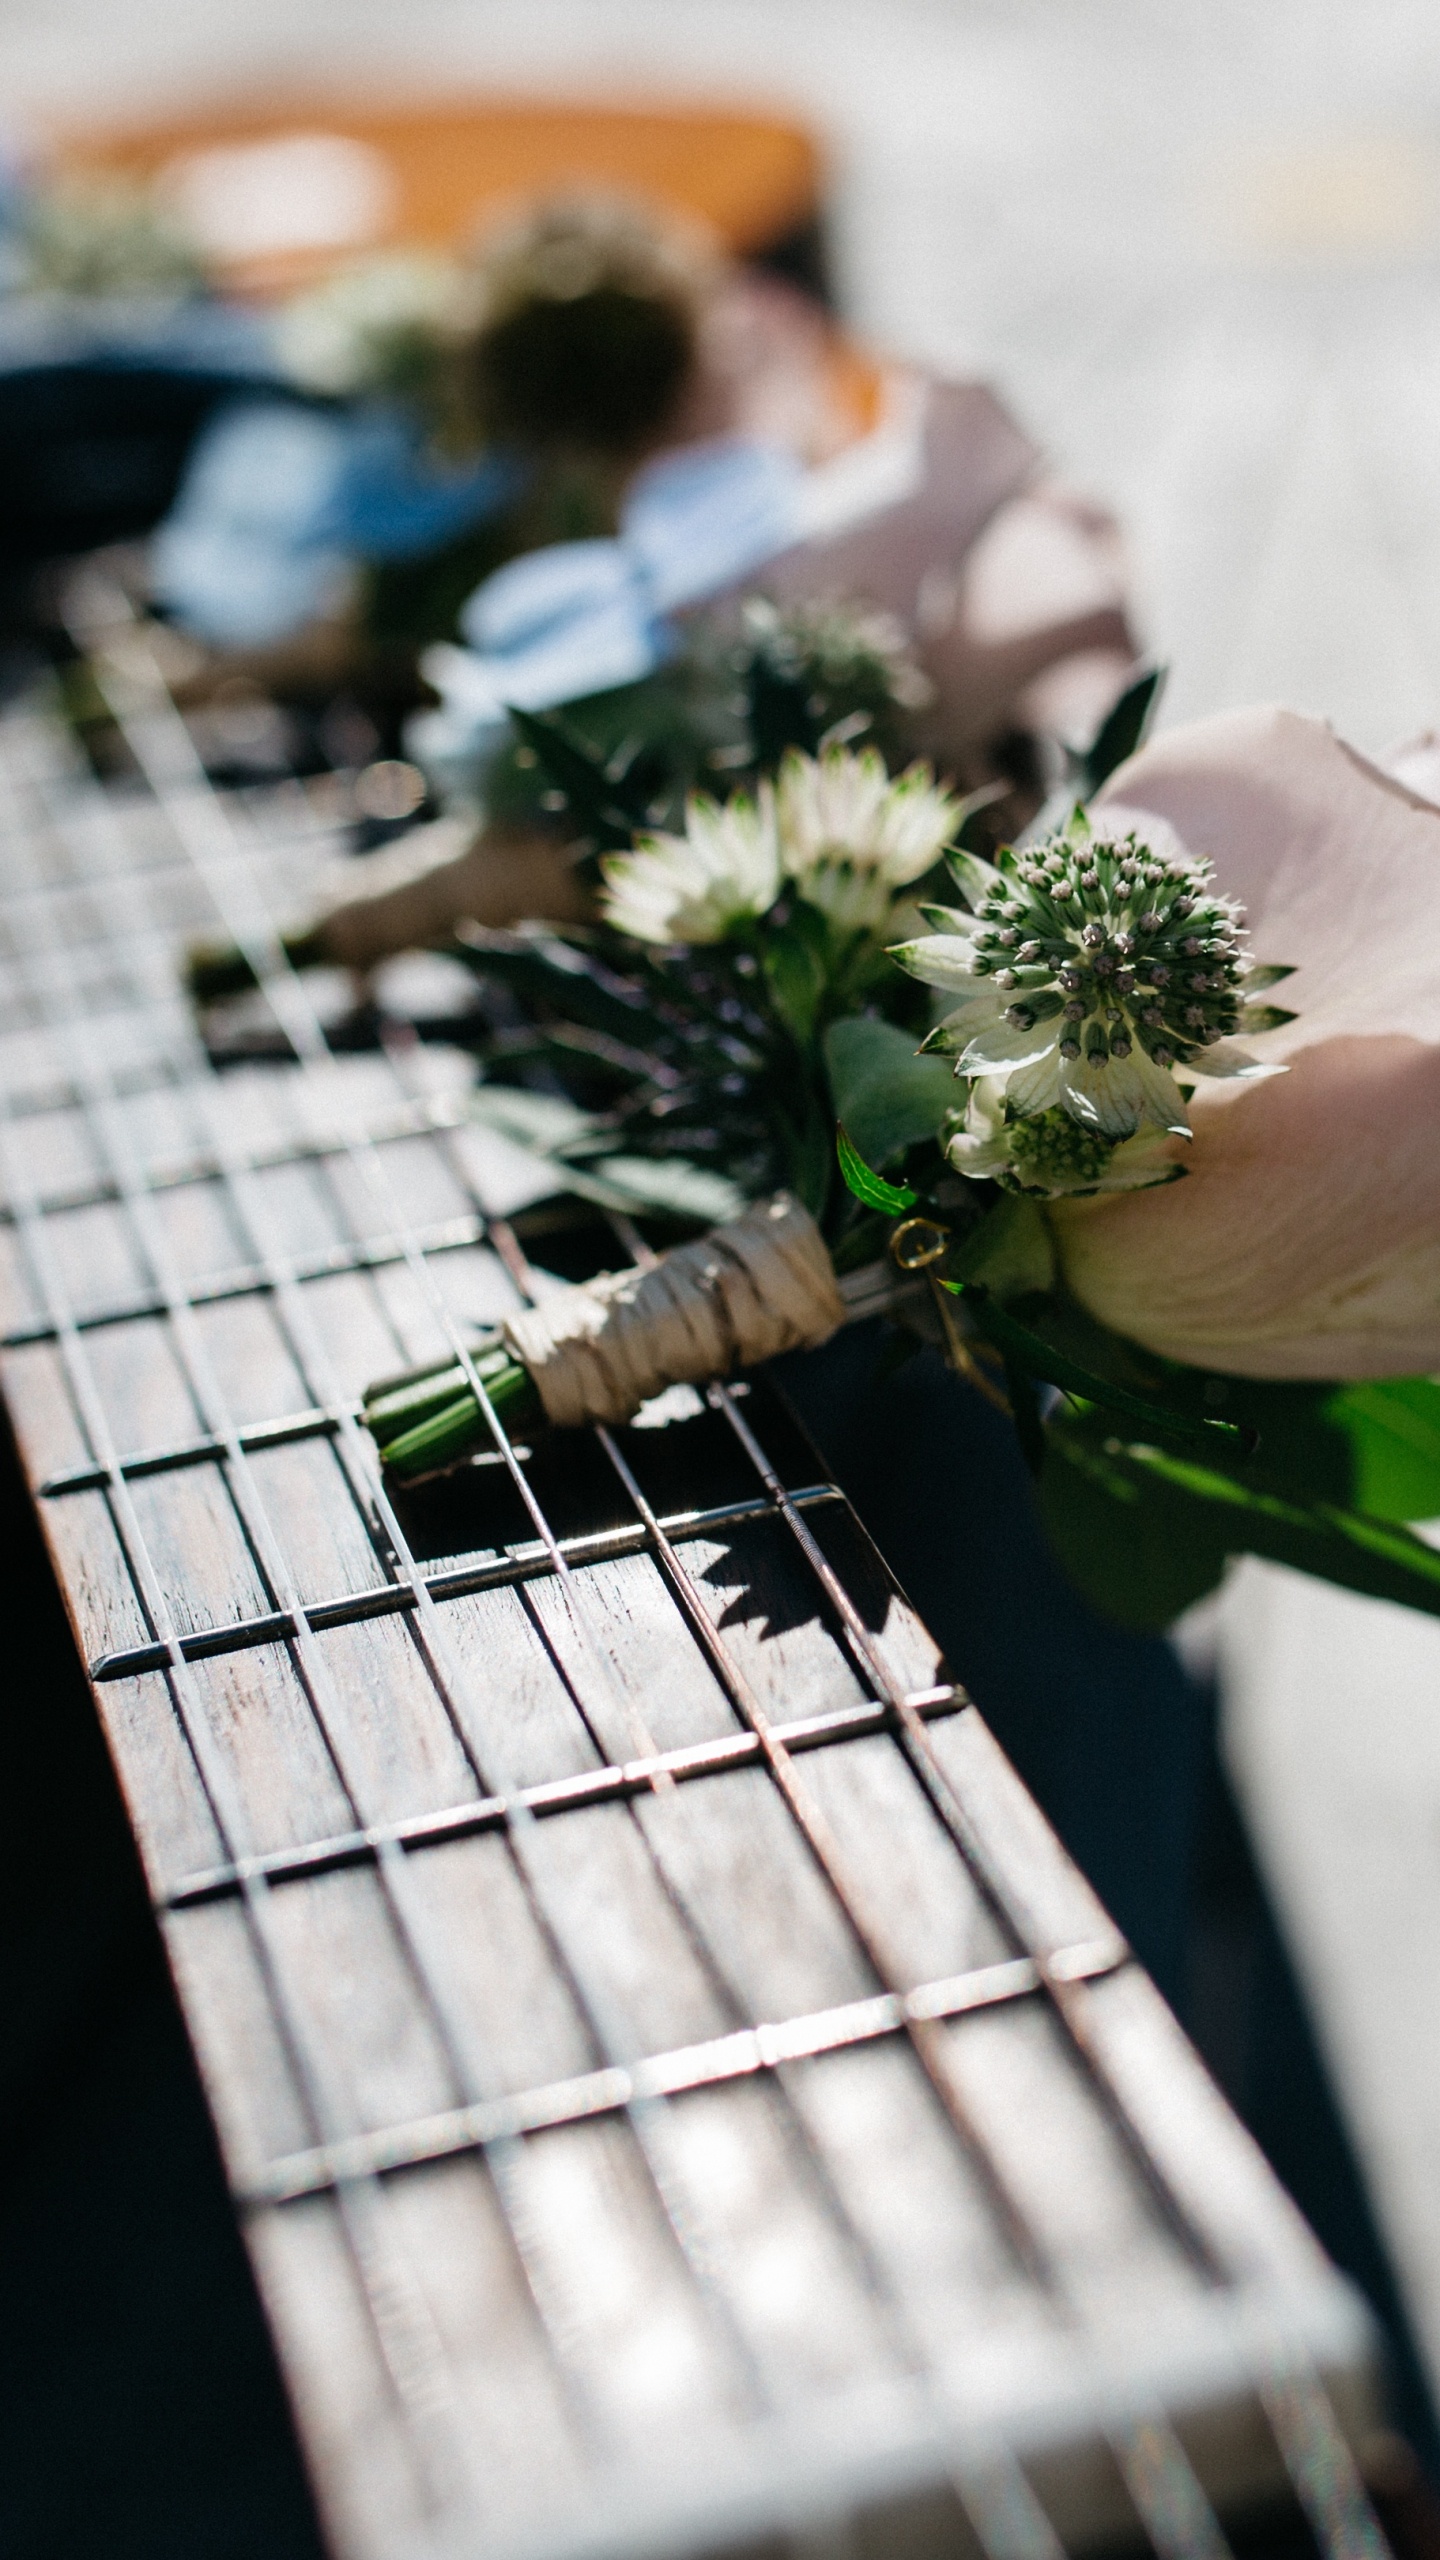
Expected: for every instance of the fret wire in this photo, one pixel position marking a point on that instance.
(180, 1173)
(454, 1582)
(338, 1262)
(748, 2051)
(130, 937)
(159, 875)
(36, 1102)
(553, 1795)
(312, 1422)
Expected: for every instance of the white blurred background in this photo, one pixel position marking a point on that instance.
(1197, 243)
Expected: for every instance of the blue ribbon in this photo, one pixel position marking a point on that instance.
(582, 617)
(280, 498)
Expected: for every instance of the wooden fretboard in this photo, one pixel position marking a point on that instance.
(679, 2095)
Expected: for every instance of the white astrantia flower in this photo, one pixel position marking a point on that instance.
(723, 871)
(1095, 972)
(1051, 1155)
(851, 838)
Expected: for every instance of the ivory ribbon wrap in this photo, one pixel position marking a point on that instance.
(760, 1284)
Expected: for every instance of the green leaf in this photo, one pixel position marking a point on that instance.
(1030, 1351)
(1010, 1252)
(1144, 1533)
(973, 877)
(793, 958)
(893, 1198)
(600, 804)
(1121, 731)
(1373, 1446)
(585, 1159)
(1141, 1551)
(1392, 1426)
(887, 1095)
(557, 1132)
(1255, 1018)
(546, 970)
(1326, 1539)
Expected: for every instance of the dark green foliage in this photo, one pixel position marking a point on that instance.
(719, 715)
(1120, 732)
(887, 1095)
(814, 674)
(1145, 1532)
(1038, 1348)
(684, 1055)
(617, 763)
(869, 1188)
(609, 798)
(1310, 1474)
(1140, 1549)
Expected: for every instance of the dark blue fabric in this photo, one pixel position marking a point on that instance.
(100, 402)
(1107, 1729)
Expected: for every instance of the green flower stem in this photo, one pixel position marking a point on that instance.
(432, 1418)
(1029, 1351)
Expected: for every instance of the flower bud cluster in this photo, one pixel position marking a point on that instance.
(1052, 1153)
(1124, 946)
(1089, 973)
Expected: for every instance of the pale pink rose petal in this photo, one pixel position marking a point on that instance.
(1415, 762)
(1306, 1241)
